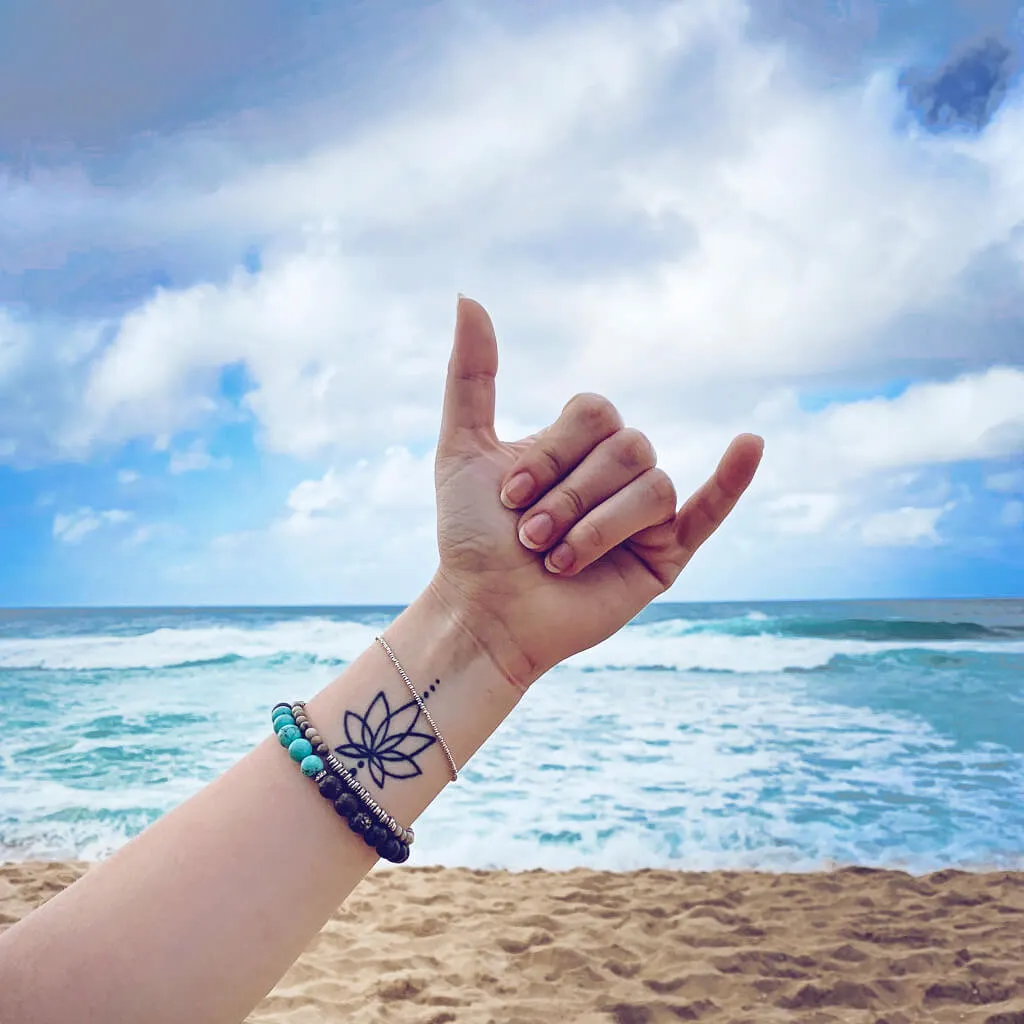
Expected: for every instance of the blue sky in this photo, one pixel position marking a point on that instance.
(234, 233)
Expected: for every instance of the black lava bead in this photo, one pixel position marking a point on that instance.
(376, 835)
(390, 849)
(330, 788)
(360, 823)
(402, 855)
(346, 805)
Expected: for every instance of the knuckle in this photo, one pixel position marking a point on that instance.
(551, 464)
(595, 412)
(635, 451)
(707, 510)
(662, 489)
(574, 502)
(589, 536)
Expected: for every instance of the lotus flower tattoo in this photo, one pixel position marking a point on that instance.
(385, 740)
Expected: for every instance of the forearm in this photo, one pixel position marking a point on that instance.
(198, 917)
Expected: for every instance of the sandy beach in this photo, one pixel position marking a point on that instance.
(437, 945)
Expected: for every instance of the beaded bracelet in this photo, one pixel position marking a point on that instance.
(364, 816)
(335, 767)
(410, 686)
(350, 800)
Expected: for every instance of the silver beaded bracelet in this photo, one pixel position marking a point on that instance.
(422, 706)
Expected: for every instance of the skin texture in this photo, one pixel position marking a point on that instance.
(198, 916)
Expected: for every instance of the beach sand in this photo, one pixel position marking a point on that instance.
(438, 945)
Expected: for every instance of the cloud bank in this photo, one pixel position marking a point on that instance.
(659, 203)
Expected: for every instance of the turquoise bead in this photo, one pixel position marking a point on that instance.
(281, 716)
(311, 765)
(300, 748)
(288, 734)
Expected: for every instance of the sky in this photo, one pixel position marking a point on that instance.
(233, 234)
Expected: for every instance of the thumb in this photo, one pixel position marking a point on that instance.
(469, 391)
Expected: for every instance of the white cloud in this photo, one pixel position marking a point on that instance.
(974, 417)
(1010, 481)
(364, 533)
(194, 459)
(1012, 514)
(42, 364)
(902, 527)
(817, 463)
(767, 231)
(313, 496)
(73, 527)
(127, 476)
(147, 532)
(803, 513)
(400, 482)
(816, 231)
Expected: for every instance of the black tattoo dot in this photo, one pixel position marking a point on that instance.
(360, 764)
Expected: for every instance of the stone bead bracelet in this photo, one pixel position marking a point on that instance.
(347, 778)
(350, 799)
(298, 746)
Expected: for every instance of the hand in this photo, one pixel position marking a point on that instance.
(551, 544)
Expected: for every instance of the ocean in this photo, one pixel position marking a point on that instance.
(770, 736)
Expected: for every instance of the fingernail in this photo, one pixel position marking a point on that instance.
(517, 491)
(561, 559)
(535, 532)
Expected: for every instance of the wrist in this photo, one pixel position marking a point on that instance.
(484, 630)
(435, 648)
(467, 695)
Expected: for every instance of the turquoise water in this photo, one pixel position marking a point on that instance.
(774, 736)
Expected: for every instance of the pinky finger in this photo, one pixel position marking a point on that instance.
(645, 501)
(706, 508)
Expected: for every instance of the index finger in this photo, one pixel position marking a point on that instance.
(585, 422)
